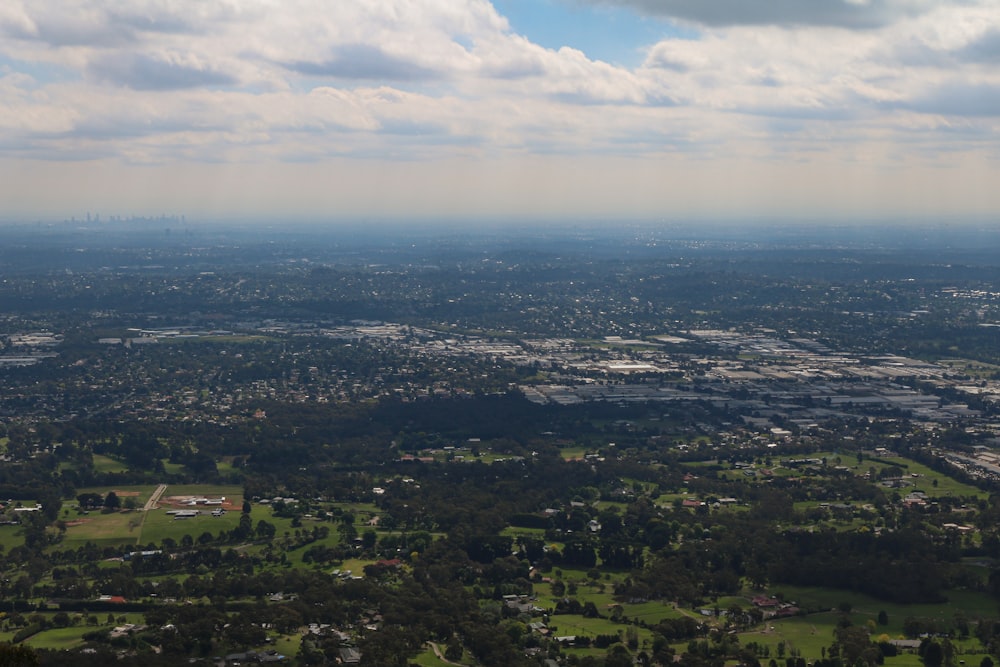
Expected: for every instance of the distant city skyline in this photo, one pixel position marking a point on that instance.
(521, 109)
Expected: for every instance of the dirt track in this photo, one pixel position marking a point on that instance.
(155, 498)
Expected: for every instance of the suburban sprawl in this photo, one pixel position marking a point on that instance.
(560, 448)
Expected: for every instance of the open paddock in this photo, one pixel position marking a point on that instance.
(102, 529)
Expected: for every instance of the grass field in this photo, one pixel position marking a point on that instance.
(58, 639)
(587, 591)
(117, 528)
(572, 453)
(287, 645)
(128, 528)
(924, 481)
(510, 531)
(107, 464)
(810, 634)
(231, 492)
(572, 624)
(863, 607)
(10, 537)
(427, 658)
(172, 468)
(159, 525)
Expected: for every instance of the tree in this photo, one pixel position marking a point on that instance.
(931, 653)
(89, 500)
(245, 529)
(618, 656)
(856, 646)
(112, 501)
(368, 539)
(265, 529)
(454, 650)
(17, 656)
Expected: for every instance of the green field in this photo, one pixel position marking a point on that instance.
(160, 525)
(128, 528)
(172, 468)
(58, 639)
(427, 658)
(864, 607)
(287, 645)
(10, 537)
(104, 464)
(572, 453)
(230, 491)
(924, 481)
(116, 528)
(811, 633)
(601, 594)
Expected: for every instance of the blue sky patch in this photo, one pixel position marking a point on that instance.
(611, 34)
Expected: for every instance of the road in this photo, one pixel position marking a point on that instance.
(155, 498)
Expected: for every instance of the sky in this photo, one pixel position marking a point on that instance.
(521, 109)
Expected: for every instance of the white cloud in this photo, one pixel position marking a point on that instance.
(252, 82)
(819, 71)
(202, 63)
(857, 14)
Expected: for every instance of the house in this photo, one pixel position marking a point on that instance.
(538, 627)
(116, 599)
(764, 602)
(349, 656)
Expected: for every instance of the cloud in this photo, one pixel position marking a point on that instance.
(862, 14)
(957, 99)
(153, 19)
(145, 72)
(984, 49)
(365, 61)
(304, 81)
(104, 24)
(63, 26)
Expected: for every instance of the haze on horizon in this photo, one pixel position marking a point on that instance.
(548, 109)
